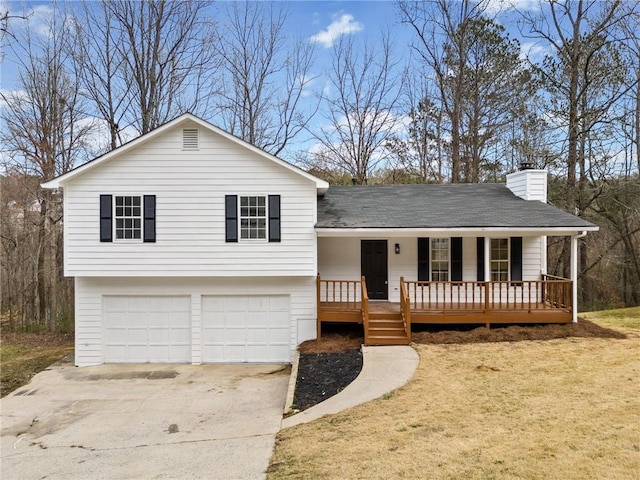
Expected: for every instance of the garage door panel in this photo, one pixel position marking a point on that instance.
(160, 320)
(158, 336)
(147, 329)
(137, 304)
(259, 336)
(235, 335)
(249, 328)
(279, 336)
(257, 303)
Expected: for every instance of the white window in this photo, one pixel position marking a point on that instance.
(128, 217)
(439, 259)
(253, 218)
(499, 259)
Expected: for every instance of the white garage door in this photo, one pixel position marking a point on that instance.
(249, 328)
(147, 329)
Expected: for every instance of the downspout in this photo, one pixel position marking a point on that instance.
(574, 275)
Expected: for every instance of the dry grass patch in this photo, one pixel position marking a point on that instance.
(22, 355)
(567, 408)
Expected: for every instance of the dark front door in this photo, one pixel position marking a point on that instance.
(373, 259)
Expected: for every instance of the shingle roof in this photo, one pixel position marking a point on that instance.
(437, 206)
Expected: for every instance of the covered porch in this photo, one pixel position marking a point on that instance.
(548, 300)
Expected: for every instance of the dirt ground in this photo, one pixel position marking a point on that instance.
(340, 337)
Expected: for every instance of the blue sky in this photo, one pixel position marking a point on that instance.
(320, 22)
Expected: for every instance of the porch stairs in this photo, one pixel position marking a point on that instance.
(386, 328)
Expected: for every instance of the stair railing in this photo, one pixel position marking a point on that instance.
(365, 308)
(405, 308)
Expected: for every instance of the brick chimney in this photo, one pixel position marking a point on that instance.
(528, 183)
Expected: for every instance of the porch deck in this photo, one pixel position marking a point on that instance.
(543, 301)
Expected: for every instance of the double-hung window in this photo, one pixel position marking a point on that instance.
(499, 259)
(133, 217)
(128, 217)
(439, 259)
(253, 218)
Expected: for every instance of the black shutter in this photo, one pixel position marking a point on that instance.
(516, 259)
(480, 257)
(456, 259)
(274, 218)
(149, 202)
(423, 259)
(106, 222)
(231, 218)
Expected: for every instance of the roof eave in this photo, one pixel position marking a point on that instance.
(460, 231)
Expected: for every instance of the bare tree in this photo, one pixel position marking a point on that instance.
(95, 46)
(145, 62)
(263, 76)
(46, 131)
(360, 109)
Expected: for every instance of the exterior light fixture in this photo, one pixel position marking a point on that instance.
(397, 249)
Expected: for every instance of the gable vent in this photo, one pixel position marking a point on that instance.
(190, 139)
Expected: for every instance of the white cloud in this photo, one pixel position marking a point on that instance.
(532, 51)
(341, 25)
(495, 6)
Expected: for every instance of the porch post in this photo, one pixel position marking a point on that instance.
(574, 278)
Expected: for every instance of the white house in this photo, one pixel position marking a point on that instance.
(190, 245)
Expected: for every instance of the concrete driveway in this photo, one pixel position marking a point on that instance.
(144, 422)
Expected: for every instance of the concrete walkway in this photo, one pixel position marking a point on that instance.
(383, 370)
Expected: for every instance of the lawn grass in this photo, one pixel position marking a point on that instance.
(619, 318)
(22, 355)
(565, 408)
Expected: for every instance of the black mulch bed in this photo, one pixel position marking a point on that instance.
(322, 375)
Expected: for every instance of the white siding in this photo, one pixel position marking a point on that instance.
(529, 184)
(531, 258)
(190, 189)
(90, 291)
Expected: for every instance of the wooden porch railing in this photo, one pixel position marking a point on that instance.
(529, 295)
(557, 291)
(405, 307)
(365, 308)
(338, 301)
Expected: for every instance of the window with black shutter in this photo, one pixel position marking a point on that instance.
(423, 259)
(480, 258)
(106, 218)
(456, 259)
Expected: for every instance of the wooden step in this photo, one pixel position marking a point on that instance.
(385, 323)
(386, 329)
(385, 316)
